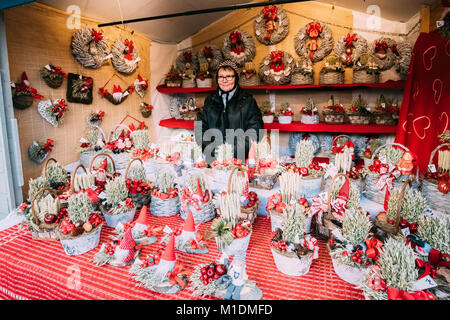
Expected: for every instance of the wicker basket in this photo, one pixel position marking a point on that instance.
(361, 76)
(120, 159)
(291, 264)
(306, 119)
(334, 118)
(22, 101)
(55, 82)
(164, 208)
(85, 157)
(332, 156)
(139, 199)
(207, 210)
(393, 228)
(263, 181)
(285, 119)
(370, 189)
(436, 199)
(206, 83)
(237, 247)
(350, 274)
(358, 119)
(173, 83)
(331, 77)
(46, 231)
(385, 119)
(188, 83)
(249, 214)
(82, 243)
(299, 78)
(253, 81)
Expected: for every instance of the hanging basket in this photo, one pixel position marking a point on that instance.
(357, 48)
(22, 100)
(79, 88)
(83, 243)
(139, 199)
(89, 48)
(290, 263)
(53, 76)
(46, 231)
(436, 199)
(125, 56)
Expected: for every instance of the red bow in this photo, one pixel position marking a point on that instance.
(129, 44)
(117, 89)
(394, 294)
(187, 56)
(349, 40)
(153, 231)
(186, 197)
(49, 145)
(98, 35)
(394, 49)
(381, 46)
(436, 258)
(314, 29)
(173, 276)
(270, 13)
(23, 206)
(92, 195)
(144, 86)
(58, 70)
(277, 61)
(386, 180)
(372, 251)
(235, 37)
(207, 51)
(429, 270)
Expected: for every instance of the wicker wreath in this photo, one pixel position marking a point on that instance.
(271, 25)
(211, 55)
(350, 47)
(405, 51)
(187, 60)
(239, 47)
(385, 52)
(90, 48)
(277, 68)
(125, 56)
(306, 41)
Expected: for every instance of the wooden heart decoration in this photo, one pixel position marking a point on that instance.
(277, 78)
(437, 90)
(420, 125)
(267, 72)
(428, 56)
(441, 117)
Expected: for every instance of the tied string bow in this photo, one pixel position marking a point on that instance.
(277, 61)
(394, 294)
(314, 30)
(173, 276)
(318, 206)
(98, 35)
(349, 39)
(188, 197)
(312, 244)
(49, 145)
(386, 180)
(129, 44)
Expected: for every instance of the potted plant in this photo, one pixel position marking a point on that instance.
(139, 187)
(173, 78)
(385, 110)
(359, 112)
(268, 112)
(165, 200)
(334, 113)
(285, 114)
(310, 114)
(204, 77)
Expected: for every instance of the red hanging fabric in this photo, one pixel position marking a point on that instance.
(425, 111)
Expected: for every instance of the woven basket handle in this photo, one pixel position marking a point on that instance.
(330, 188)
(101, 131)
(72, 180)
(115, 128)
(102, 154)
(399, 206)
(435, 150)
(386, 145)
(240, 169)
(44, 169)
(340, 136)
(129, 165)
(53, 192)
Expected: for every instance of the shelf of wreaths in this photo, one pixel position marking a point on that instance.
(296, 126)
(388, 85)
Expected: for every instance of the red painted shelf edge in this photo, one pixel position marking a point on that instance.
(296, 126)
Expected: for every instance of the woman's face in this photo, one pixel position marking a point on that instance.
(226, 79)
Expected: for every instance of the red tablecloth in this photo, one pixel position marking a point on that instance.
(32, 269)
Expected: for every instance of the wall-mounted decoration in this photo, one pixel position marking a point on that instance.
(271, 25)
(53, 112)
(248, 76)
(79, 88)
(53, 76)
(146, 109)
(239, 47)
(23, 94)
(187, 62)
(90, 48)
(118, 95)
(125, 56)
(140, 85)
(211, 55)
(173, 78)
(350, 47)
(366, 70)
(405, 51)
(385, 52)
(307, 42)
(94, 119)
(276, 68)
(38, 151)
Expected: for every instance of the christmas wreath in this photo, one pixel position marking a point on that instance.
(23, 94)
(385, 52)
(38, 150)
(79, 88)
(90, 48)
(125, 56)
(239, 47)
(211, 55)
(405, 51)
(187, 62)
(276, 68)
(350, 47)
(307, 43)
(271, 25)
(118, 95)
(53, 76)
(53, 112)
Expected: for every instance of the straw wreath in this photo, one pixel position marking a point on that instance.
(279, 19)
(90, 48)
(244, 39)
(125, 56)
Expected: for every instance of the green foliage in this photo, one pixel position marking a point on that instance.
(165, 181)
(304, 153)
(266, 107)
(79, 207)
(284, 106)
(392, 155)
(353, 198)
(355, 226)
(56, 175)
(141, 139)
(137, 172)
(294, 222)
(413, 206)
(436, 232)
(116, 191)
(35, 184)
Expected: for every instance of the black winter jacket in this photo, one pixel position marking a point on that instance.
(241, 112)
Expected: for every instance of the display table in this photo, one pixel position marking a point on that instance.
(32, 269)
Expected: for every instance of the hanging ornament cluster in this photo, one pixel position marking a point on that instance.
(211, 55)
(350, 47)
(140, 85)
(271, 25)
(276, 68)
(53, 112)
(94, 119)
(23, 94)
(53, 76)
(146, 109)
(118, 95)
(385, 52)
(314, 41)
(125, 56)
(79, 88)
(90, 48)
(239, 47)
(38, 151)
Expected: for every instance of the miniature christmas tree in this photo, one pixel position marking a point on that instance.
(79, 207)
(413, 205)
(436, 232)
(35, 185)
(304, 153)
(359, 107)
(56, 175)
(294, 223)
(165, 181)
(137, 173)
(356, 226)
(141, 139)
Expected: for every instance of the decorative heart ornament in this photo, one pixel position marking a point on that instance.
(443, 118)
(267, 72)
(420, 125)
(45, 109)
(437, 90)
(428, 56)
(277, 78)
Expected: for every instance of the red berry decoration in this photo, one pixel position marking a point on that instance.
(304, 171)
(211, 279)
(221, 269)
(205, 282)
(210, 272)
(203, 270)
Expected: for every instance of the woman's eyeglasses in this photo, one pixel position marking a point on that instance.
(228, 78)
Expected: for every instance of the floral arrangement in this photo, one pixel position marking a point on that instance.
(435, 232)
(146, 109)
(53, 112)
(285, 110)
(52, 75)
(79, 88)
(38, 151)
(165, 187)
(310, 109)
(195, 192)
(58, 178)
(267, 109)
(23, 94)
(34, 185)
(413, 207)
(359, 108)
(386, 106)
(204, 72)
(334, 107)
(173, 78)
(117, 200)
(371, 146)
(120, 144)
(95, 118)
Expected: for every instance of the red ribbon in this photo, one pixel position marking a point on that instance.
(429, 270)
(49, 145)
(173, 276)
(207, 51)
(236, 42)
(372, 251)
(314, 29)
(129, 44)
(186, 197)
(58, 70)
(381, 46)
(349, 40)
(277, 61)
(187, 56)
(394, 294)
(270, 13)
(153, 231)
(98, 35)
(436, 258)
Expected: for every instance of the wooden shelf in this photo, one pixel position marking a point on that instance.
(389, 85)
(296, 126)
